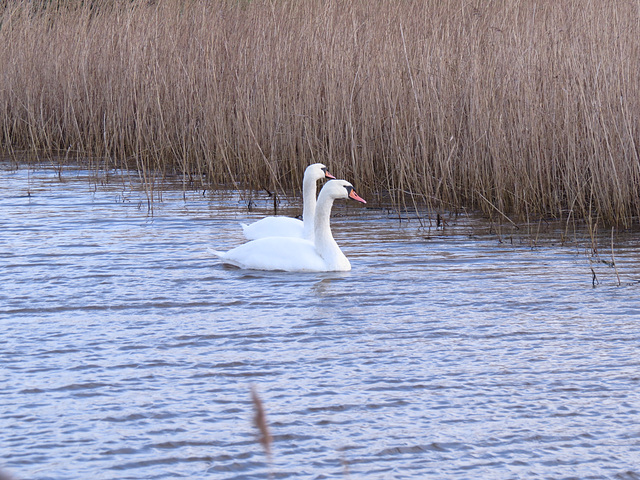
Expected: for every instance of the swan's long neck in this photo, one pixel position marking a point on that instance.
(325, 245)
(309, 205)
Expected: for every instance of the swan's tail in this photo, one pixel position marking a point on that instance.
(225, 260)
(217, 253)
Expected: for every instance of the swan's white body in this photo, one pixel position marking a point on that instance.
(296, 254)
(275, 227)
(287, 226)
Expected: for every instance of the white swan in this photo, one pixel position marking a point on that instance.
(292, 227)
(297, 254)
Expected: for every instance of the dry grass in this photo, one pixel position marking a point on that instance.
(260, 422)
(526, 108)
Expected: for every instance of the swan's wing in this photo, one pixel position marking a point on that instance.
(274, 227)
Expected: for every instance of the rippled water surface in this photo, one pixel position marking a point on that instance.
(127, 351)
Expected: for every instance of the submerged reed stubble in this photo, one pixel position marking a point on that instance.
(530, 108)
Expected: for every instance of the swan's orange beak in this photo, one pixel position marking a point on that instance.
(328, 175)
(353, 195)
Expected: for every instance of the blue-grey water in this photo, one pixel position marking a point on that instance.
(127, 351)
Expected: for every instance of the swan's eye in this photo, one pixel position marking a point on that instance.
(349, 189)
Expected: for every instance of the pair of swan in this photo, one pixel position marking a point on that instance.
(282, 243)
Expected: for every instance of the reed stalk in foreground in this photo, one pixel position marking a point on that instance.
(260, 422)
(524, 108)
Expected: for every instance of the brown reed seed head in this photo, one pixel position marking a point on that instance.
(260, 421)
(526, 108)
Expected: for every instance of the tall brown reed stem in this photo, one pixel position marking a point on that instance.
(260, 422)
(613, 260)
(527, 108)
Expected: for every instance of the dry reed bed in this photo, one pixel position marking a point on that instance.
(528, 108)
